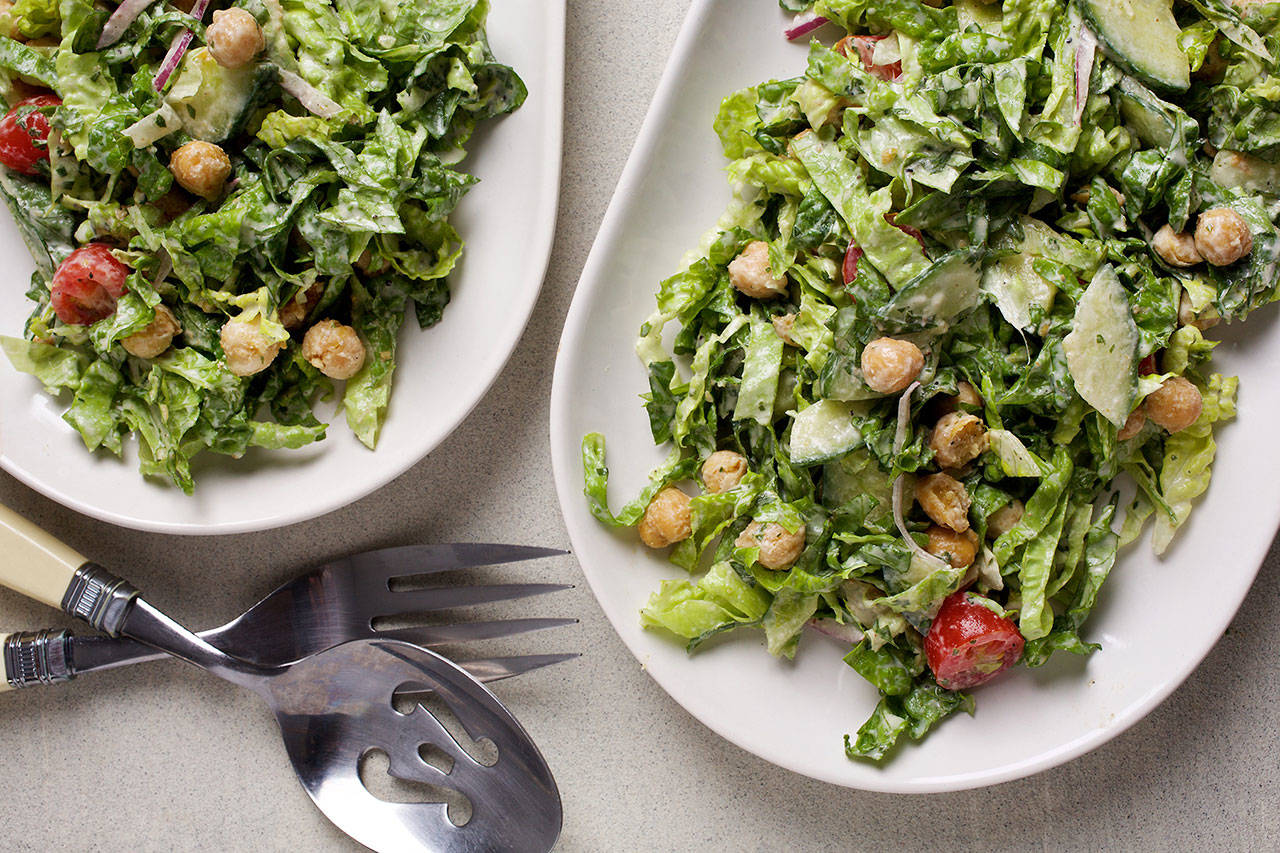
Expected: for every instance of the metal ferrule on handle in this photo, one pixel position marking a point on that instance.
(99, 598)
(37, 657)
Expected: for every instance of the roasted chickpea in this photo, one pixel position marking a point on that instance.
(202, 168)
(944, 499)
(958, 438)
(723, 470)
(779, 547)
(1222, 236)
(156, 337)
(750, 273)
(1137, 420)
(333, 349)
(783, 326)
(667, 519)
(1176, 250)
(295, 311)
(1175, 405)
(1005, 519)
(234, 38)
(246, 348)
(959, 549)
(890, 365)
(1187, 315)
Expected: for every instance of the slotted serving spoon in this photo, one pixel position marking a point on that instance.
(333, 708)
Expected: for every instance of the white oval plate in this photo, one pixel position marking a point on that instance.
(1156, 620)
(508, 221)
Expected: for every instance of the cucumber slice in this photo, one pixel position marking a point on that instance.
(951, 286)
(822, 432)
(1142, 36)
(214, 102)
(1102, 349)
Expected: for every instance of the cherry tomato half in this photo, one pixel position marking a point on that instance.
(87, 285)
(19, 135)
(865, 47)
(849, 269)
(968, 645)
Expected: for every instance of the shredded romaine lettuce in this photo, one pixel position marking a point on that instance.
(342, 218)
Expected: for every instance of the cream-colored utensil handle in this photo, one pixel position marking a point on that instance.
(34, 563)
(4, 676)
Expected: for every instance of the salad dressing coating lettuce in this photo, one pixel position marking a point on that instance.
(345, 213)
(994, 202)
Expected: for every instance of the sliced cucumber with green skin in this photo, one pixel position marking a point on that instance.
(1142, 37)
(823, 432)
(1102, 348)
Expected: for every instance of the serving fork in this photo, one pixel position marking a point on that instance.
(334, 706)
(342, 600)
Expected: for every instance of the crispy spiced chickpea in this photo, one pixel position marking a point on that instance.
(783, 326)
(334, 349)
(1222, 236)
(201, 168)
(1005, 519)
(667, 519)
(945, 500)
(246, 348)
(1175, 405)
(234, 38)
(750, 273)
(958, 438)
(1133, 425)
(1176, 249)
(959, 549)
(779, 547)
(1187, 315)
(156, 337)
(723, 470)
(295, 311)
(890, 365)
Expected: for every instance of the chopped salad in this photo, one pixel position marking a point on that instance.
(231, 206)
(960, 297)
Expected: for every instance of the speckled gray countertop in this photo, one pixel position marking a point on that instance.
(163, 758)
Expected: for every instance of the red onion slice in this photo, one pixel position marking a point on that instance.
(803, 24)
(124, 15)
(179, 47)
(1086, 51)
(316, 102)
(845, 632)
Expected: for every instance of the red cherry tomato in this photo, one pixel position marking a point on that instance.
(865, 47)
(968, 645)
(19, 135)
(849, 270)
(87, 285)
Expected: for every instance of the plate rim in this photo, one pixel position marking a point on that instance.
(568, 476)
(542, 226)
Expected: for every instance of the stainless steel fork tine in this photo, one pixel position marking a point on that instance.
(461, 632)
(496, 669)
(381, 566)
(445, 597)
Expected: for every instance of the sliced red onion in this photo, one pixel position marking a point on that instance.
(803, 24)
(124, 15)
(1086, 51)
(166, 267)
(846, 632)
(179, 47)
(316, 102)
(899, 484)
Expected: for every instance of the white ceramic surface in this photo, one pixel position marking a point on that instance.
(508, 221)
(1156, 619)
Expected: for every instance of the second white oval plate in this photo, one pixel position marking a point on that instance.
(1156, 620)
(507, 220)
